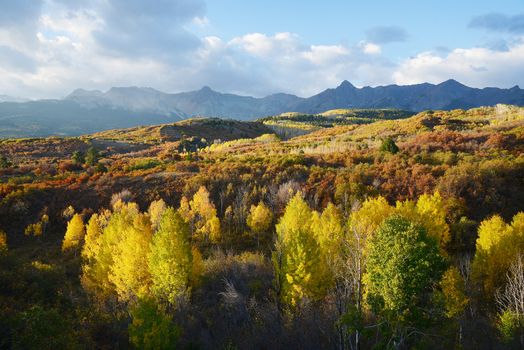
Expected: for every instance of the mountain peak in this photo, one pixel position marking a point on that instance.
(346, 85)
(452, 83)
(206, 88)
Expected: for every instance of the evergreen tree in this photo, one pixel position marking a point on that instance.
(92, 156)
(388, 145)
(4, 162)
(78, 157)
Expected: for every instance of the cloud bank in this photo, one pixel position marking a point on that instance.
(55, 46)
(499, 22)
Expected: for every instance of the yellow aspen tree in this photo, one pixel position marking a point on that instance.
(259, 220)
(170, 258)
(297, 258)
(94, 229)
(74, 234)
(430, 212)
(201, 214)
(129, 272)
(197, 266)
(328, 229)
(185, 209)
(454, 292)
(155, 211)
(108, 245)
(497, 246)
(370, 216)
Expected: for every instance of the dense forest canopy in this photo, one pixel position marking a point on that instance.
(393, 232)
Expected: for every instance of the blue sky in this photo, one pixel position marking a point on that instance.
(50, 47)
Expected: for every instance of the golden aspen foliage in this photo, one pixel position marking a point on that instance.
(454, 292)
(212, 229)
(94, 228)
(39, 228)
(329, 229)
(371, 214)
(96, 270)
(430, 212)
(129, 272)
(197, 266)
(297, 257)
(498, 244)
(201, 214)
(3, 242)
(490, 232)
(260, 218)
(185, 209)
(74, 234)
(170, 257)
(201, 205)
(155, 211)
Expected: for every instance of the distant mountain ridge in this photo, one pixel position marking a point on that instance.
(85, 111)
(207, 102)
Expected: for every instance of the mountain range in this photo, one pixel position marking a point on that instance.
(85, 111)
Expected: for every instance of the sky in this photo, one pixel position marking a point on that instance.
(48, 48)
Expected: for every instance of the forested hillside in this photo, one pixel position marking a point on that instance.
(365, 231)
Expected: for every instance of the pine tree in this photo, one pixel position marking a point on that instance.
(388, 145)
(92, 156)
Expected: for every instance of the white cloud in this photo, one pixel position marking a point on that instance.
(370, 48)
(478, 67)
(263, 45)
(201, 21)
